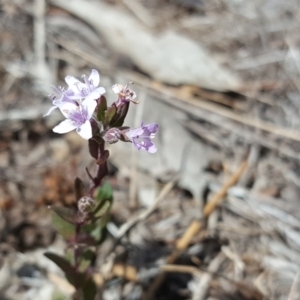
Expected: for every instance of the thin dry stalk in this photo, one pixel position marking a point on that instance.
(194, 105)
(182, 244)
(181, 269)
(204, 283)
(144, 215)
(217, 198)
(295, 292)
(193, 229)
(140, 12)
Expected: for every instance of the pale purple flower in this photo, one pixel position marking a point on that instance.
(64, 96)
(125, 94)
(141, 137)
(88, 89)
(77, 117)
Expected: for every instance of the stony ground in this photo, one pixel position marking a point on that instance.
(215, 212)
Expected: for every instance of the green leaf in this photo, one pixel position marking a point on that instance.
(101, 108)
(105, 192)
(104, 198)
(89, 289)
(86, 260)
(109, 114)
(102, 208)
(97, 230)
(66, 229)
(70, 256)
(64, 264)
(68, 214)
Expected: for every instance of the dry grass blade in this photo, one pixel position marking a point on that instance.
(194, 228)
(181, 269)
(181, 245)
(195, 106)
(217, 198)
(204, 283)
(295, 290)
(144, 215)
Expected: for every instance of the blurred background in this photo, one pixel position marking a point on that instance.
(222, 80)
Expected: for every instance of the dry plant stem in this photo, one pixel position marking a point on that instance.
(217, 198)
(198, 107)
(295, 290)
(144, 215)
(182, 244)
(39, 34)
(204, 283)
(181, 269)
(194, 228)
(140, 12)
(200, 272)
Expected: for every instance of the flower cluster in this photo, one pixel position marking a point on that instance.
(85, 108)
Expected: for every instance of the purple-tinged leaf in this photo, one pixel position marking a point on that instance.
(86, 260)
(79, 188)
(68, 214)
(104, 157)
(94, 148)
(85, 238)
(66, 229)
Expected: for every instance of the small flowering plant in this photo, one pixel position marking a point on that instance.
(85, 109)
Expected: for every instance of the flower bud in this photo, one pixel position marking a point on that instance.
(112, 135)
(125, 94)
(86, 204)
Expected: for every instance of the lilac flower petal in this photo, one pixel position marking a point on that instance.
(64, 127)
(117, 88)
(125, 94)
(152, 149)
(85, 130)
(85, 89)
(67, 107)
(101, 90)
(50, 111)
(141, 137)
(89, 106)
(152, 127)
(75, 86)
(94, 95)
(137, 144)
(134, 133)
(70, 80)
(94, 77)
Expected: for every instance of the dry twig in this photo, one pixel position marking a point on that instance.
(217, 198)
(144, 215)
(204, 283)
(295, 292)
